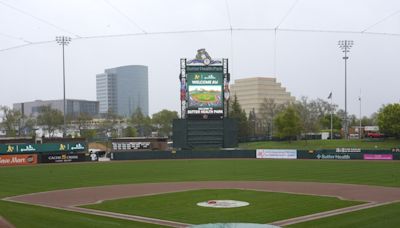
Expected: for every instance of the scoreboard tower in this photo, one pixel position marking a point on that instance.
(204, 96)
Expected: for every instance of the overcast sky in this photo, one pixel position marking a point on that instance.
(157, 33)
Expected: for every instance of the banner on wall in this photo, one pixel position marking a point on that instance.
(348, 150)
(62, 158)
(276, 153)
(46, 147)
(18, 159)
(378, 156)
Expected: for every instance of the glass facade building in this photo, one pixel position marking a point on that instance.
(122, 90)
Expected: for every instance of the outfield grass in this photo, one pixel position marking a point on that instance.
(384, 216)
(22, 215)
(265, 207)
(323, 144)
(19, 180)
(28, 179)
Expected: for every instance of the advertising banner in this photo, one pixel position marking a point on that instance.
(348, 150)
(18, 159)
(334, 156)
(378, 157)
(37, 148)
(61, 158)
(276, 153)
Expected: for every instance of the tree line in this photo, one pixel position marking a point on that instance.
(305, 116)
(285, 121)
(111, 124)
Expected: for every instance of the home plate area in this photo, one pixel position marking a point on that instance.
(223, 203)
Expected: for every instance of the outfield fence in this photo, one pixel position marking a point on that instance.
(350, 154)
(58, 156)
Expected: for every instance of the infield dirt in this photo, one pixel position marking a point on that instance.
(70, 199)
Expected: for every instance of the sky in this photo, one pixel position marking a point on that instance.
(292, 40)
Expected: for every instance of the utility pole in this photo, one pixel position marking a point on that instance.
(63, 41)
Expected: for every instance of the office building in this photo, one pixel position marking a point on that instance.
(251, 93)
(122, 90)
(73, 107)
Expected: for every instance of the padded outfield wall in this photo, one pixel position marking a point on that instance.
(262, 153)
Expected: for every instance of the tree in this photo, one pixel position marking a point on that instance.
(288, 123)
(326, 122)
(141, 122)
(50, 119)
(353, 120)
(11, 120)
(322, 107)
(389, 120)
(163, 121)
(130, 132)
(88, 133)
(236, 112)
(252, 120)
(84, 121)
(371, 120)
(309, 113)
(111, 124)
(28, 127)
(269, 109)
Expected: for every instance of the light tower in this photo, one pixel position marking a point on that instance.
(345, 45)
(63, 41)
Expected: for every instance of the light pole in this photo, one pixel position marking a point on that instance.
(345, 45)
(63, 41)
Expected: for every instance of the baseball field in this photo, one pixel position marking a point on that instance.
(276, 189)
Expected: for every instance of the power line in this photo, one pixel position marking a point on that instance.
(231, 33)
(15, 38)
(229, 14)
(276, 30)
(208, 30)
(125, 16)
(380, 21)
(25, 45)
(287, 14)
(37, 18)
(155, 33)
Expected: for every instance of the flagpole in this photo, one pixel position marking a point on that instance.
(359, 132)
(331, 119)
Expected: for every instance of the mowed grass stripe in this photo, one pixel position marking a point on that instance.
(29, 216)
(383, 216)
(264, 207)
(28, 179)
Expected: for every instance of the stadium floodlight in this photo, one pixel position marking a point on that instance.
(63, 41)
(345, 45)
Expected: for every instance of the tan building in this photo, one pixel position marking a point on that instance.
(252, 91)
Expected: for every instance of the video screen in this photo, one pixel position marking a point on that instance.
(205, 96)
